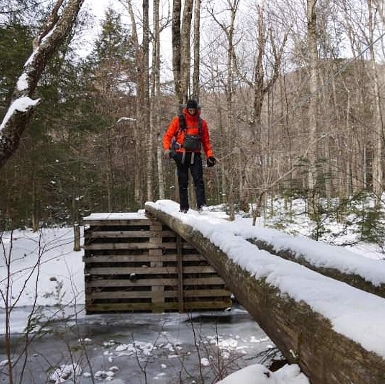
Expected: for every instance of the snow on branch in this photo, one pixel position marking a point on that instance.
(21, 105)
(130, 119)
(52, 34)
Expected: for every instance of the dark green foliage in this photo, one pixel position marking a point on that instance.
(369, 218)
(74, 158)
(15, 48)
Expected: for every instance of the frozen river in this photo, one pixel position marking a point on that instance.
(141, 348)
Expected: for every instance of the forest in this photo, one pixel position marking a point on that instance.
(293, 93)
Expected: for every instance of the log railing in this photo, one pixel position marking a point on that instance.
(353, 279)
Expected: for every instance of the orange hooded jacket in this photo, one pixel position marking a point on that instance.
(192, 128)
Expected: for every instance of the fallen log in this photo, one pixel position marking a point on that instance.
(354, 279)
(304, 335)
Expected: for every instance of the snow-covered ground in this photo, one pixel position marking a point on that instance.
(46, 272)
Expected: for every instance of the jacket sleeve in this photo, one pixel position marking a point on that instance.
(170, 133)
(206, 140)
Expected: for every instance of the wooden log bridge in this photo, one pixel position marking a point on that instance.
(335, 340)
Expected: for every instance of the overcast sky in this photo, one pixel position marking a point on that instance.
(99, 6)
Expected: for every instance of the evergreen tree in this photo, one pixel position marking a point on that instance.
(15, 47)
(110, 85)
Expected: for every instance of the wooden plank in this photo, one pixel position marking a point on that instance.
(119, 234)
(206, 293)
(117, 246)
(129, 270)
(100, 258)
(111, 295)
(304, 336)
(147, 270)
(200, 305)
(150, 307)
(202, 269)
(132, 295)
(101, 283)
(104, 283)
(210, 280)
(148, 232)
(180, 272)
(116, 223)
(130, 307)
(157, 291)
(128, 258)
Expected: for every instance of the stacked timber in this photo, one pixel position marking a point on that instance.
(137, 264)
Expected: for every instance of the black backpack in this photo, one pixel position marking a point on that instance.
(182, 123)
(191, 142)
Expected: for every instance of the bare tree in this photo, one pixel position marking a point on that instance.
(186, 48)
(145, 107)
(55, 30)
(142, 98)
(381, 8)
(377, 108)
(181, 48)
(196, 77)
(313, 88)
(176, 48)
(155, 98)
(228, 28)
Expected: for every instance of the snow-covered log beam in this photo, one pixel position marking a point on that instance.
(356, 277)
(304, 335)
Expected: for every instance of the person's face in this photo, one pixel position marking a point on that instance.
(192, 111)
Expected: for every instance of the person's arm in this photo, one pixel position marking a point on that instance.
(205, 139)
(170, 133)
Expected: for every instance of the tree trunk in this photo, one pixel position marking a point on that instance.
(140, 102)
(197, 18)
(55, 30)
(156, 95)
(186, 49)
(377, 110)
(76, 237)
(176, 49)
(148, 149)
(313, 87)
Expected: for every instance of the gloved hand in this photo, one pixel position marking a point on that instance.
(167, 153)
(211, 161)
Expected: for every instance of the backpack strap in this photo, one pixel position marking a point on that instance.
(182, 124)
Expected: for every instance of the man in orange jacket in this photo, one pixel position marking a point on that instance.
(183, 144)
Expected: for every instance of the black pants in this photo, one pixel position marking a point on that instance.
(183, 164)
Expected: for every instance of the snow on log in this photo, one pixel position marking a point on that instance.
(334, 261)
(357, 275)
(335, 332)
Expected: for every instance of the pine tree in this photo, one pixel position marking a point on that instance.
(112, 88)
